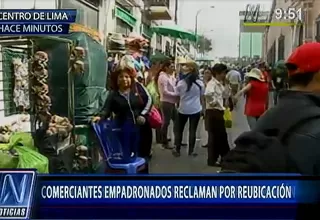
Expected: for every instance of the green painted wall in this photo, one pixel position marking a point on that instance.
(256, 41)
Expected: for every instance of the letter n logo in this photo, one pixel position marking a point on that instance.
(252, 13)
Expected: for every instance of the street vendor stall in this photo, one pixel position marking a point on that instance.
(66, 87)
(31, 95)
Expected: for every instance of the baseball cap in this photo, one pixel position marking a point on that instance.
(305, 59)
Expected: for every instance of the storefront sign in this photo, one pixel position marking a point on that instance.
(125, 16)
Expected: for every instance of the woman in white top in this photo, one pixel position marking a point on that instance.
(190, 91)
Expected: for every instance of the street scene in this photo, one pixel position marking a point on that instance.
(156, 86)
(196, 165)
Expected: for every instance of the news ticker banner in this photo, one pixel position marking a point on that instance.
(36, 22)
(25, 194)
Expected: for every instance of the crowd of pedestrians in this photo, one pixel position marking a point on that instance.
(186, 93)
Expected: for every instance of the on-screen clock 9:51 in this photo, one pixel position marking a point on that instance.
(288, 14)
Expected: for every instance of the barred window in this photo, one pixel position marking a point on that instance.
(7, 80)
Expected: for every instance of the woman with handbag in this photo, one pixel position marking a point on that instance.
(129, 100)
(153, 90)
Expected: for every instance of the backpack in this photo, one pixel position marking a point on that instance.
(266, 151)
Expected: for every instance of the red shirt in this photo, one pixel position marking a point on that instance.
(256, 99)
(266, 76)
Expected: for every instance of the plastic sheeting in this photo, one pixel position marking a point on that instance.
(89, 87)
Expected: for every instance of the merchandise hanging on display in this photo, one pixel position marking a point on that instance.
(31, 92)
(39, 86)
(116, 43)
(135, 58)
(21, 83)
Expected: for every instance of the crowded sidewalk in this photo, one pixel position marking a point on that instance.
(164, 162)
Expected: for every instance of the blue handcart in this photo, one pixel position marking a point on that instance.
(119, 142)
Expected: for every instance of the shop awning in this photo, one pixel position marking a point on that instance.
(125, 16)
(174, 31)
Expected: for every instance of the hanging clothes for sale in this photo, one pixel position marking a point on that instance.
(21, 83)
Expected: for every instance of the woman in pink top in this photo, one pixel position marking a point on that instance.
(168, 99)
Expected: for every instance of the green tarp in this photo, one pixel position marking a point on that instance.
(89, 87)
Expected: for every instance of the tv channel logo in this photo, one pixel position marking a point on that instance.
(16, 191)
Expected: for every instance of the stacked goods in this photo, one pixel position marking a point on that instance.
(21, 84)
(59, 125)
(76, 60)
(39, 76)
(81, 160)
(89, 87)
(5, 133)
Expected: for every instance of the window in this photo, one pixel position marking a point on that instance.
(123, 28)
(168, 49)
(127, 9)
(158, 39)
(95, 3)
(88, 11)
(159, 42)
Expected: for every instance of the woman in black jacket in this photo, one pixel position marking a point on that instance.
(129, 100)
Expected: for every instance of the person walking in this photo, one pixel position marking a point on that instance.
(190, 91)
(217, 135)
(234, 80)
(257, 96)
(168, 99)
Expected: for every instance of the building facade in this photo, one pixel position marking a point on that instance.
(280, 41)
(104, 16)
(251, 37)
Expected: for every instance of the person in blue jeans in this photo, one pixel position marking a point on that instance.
(190, 91)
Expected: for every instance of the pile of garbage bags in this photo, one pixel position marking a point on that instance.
(19, 152)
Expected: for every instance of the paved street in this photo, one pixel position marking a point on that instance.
(164, 162)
